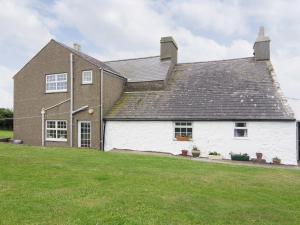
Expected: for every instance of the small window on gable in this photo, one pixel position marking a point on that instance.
(87, 77)
(240, 129)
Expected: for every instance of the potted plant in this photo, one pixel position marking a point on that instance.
(184, 152)
(276, 160)
(214, 155)
(259, 156)
(182, 138)
(240, 157)
(195, 151)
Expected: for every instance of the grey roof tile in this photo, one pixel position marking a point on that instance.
(238, 89)
(142, 69)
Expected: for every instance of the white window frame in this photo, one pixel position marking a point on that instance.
(79, 134)
(56, 82)
(83, 81)
(56, 129)
(240, 128)
(182, 126)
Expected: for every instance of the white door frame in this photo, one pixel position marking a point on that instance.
(79, 132)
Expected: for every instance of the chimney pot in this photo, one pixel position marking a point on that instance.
(77, 47)
(262, 46)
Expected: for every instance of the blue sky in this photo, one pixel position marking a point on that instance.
(116, 29)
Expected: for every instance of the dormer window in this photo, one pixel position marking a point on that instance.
(87, 77)
(56, 82)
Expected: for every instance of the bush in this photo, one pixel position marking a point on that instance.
(240, 157)
(6, 124)
(214, 153)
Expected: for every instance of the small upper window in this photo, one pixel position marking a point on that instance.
(87, 77)
(240, 129)
(56, 82)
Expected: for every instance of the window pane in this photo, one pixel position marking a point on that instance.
(50, 78)
(240, 124)
(240, 133)
(61, 124)
(62, 134)
(50, 124)
(61, 77)
(51, 133)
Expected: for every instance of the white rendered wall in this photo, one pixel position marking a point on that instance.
(270, 138)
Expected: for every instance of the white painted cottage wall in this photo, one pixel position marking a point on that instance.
(270, 138)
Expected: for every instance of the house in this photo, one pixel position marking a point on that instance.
(64, 97)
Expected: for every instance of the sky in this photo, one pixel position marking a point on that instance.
(117, 29)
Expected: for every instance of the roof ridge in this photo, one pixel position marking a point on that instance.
(86, 56)
(220, 60)
(146, 57)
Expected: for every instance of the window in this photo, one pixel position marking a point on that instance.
(183, 129)
(240, 129)
(87, 77)
(56, 130)
(56, 82)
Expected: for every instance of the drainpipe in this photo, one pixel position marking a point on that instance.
(71, 99)
(43, 126)
(101, 110)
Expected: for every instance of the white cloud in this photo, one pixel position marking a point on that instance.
(204, 30)
(23, 34)
(6, 87)
(222, 17)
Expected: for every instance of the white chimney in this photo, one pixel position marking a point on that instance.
(77, 47)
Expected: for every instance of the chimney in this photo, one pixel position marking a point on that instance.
(168, 49)
(262, 46)
(77, 47)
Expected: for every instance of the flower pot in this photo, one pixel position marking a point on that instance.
(276, 162)
(181, 138)
(184, 152)
(259, 156)
(196, 153)
(215, 157)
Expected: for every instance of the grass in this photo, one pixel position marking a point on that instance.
(6, 134)
(71, 186)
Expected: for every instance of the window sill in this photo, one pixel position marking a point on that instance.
(56, 140)
(51, 92)
(86, 83)
(174, 139)
(241, 138)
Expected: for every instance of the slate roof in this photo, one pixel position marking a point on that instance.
(141, 69)
(237, 89)
(90, 59)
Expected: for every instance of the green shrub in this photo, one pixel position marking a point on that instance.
(240, 157)
(214, 153)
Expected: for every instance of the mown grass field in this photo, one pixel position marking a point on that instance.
(72, 186)
(6, 134)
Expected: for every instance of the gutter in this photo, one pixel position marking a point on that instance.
(71, 100)
(101, 111)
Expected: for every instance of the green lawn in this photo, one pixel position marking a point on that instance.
(6, 134)
(71, 186)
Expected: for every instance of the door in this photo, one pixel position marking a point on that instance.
(84, 134)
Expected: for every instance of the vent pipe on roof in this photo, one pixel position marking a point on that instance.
(262, 46)
(77, 47)
(168, 49)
